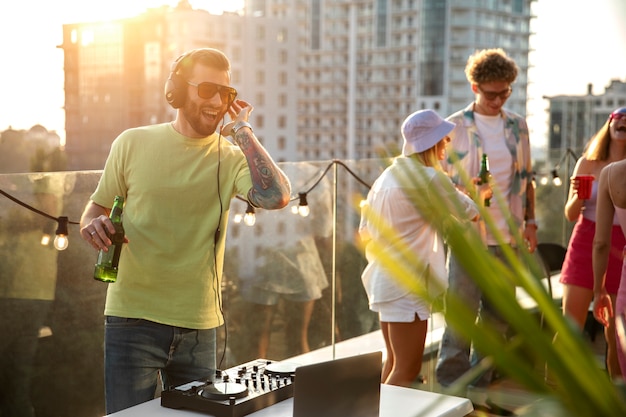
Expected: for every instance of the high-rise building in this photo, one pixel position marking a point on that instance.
(366, 64)
(115, 74)
(329, 79)
(573, 120)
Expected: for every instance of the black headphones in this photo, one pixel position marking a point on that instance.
(175, 93)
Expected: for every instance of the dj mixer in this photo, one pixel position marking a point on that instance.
(237, 391)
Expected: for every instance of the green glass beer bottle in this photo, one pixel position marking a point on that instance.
(106, 265)
(484, 176)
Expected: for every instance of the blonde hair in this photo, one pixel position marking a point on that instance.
(598, 147)
(430, 158)
(489, 65)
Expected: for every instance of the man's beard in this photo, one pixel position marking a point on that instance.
(203, 122)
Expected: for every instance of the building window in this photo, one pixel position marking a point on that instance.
(381, 23)
(260, 99)
(260, 33)
(316, 24)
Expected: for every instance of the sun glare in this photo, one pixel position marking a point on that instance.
(83, 11)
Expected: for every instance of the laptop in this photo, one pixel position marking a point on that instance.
(346, 387)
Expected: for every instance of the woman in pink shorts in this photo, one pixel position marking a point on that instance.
(577, 272)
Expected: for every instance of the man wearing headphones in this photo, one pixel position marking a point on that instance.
(177, 180)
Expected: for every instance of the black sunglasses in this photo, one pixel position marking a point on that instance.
(207, 90)
(491, 95)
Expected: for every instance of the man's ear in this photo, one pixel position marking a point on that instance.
(475, 88)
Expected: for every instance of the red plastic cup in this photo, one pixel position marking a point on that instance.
(584, 186)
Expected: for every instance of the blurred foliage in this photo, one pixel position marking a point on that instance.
(578, 386)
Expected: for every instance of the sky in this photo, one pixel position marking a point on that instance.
(576, 42)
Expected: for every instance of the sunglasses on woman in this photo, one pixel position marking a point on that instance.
(616, 116)
(207, 90)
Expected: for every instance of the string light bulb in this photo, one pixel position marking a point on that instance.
(61, 240)
(303, 205)
(250, 217)
(556, 180)
(45, 239)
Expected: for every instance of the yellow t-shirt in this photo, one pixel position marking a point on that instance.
(167, 271)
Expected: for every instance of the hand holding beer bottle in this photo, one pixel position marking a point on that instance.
(484, 176)
(106, 265)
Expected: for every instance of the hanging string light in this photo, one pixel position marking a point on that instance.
(556, 180)
(250, 217)
(303, 205)
(303, 208)
(61, 240)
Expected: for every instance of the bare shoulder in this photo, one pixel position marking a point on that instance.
(614, 176)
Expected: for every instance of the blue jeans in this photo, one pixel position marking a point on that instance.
(454, 352)
(136, 351)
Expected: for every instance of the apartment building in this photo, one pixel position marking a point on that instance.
(573, 120)
(115, 74)
(366, 64)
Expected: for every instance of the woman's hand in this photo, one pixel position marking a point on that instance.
(602, 307)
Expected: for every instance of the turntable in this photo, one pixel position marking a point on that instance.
(237, 391)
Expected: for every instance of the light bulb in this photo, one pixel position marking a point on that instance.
(543, 180)
(238, 218)
(249, 219)
(45, 239)
(294, 209)
(303, 205)
(556, 180)
(61, 242)
(304, 211)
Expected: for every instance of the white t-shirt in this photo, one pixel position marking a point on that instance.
(491, 130)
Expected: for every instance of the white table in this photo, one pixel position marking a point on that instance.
(394, 402)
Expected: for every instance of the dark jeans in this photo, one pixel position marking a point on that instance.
(455, 354)
(136, 351)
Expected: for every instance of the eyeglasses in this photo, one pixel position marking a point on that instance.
(616, 116)
(207, 90)
(491, 95)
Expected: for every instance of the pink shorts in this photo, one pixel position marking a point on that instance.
(577, 268)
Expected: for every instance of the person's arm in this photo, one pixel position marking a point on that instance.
(530, 225)
(574, 205)
(602, 308)
(270, 186)
(456, 202)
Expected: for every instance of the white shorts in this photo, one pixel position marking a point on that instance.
(402, 310)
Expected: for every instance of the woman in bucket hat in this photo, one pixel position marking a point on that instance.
(397, 217)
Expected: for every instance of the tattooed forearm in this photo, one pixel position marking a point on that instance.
(270, 186)
(262, 171)
(243, 139)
